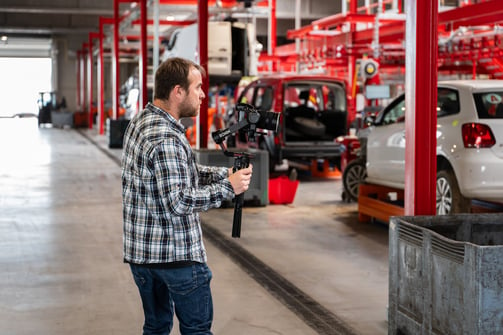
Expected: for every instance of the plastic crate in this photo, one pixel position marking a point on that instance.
(446, 275)
(282, 190)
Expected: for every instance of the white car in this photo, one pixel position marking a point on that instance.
(469, 144)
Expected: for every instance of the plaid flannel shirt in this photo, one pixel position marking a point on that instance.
(163, 191)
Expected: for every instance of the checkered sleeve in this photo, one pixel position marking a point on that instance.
(177, 178)
(211, 174)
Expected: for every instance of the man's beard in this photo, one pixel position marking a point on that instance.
(187, 110)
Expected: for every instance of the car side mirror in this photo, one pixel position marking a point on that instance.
(369, 121)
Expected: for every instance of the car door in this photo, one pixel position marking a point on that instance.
(386, 146)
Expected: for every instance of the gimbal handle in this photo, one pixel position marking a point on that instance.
(241, 161)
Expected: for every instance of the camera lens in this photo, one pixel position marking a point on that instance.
(269, 121)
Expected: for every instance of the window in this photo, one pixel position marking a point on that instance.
(489, 105)
(318, 96)
(447, 102)
(247, 97)
(395, 113)
(263, 98)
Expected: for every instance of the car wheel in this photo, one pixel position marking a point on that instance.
(354, 174)
(449, 198)
(309, 127)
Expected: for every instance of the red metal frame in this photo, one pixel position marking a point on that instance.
(323, 40)
(101, 76)
(202, 17)
(420, 127)
(115, 61)
(90, 87)
(143, 54)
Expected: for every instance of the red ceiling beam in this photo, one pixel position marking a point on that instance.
(490, 19)
(338, 19)
(168, 22)
(334, 21)
(211, 3)
(137, 37)
(466, 15)
(391, 32)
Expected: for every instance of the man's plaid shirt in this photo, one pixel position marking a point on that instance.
(163, 191)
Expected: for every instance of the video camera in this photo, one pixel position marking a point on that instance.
(249, 120)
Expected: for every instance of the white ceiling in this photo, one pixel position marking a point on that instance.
(75, 19)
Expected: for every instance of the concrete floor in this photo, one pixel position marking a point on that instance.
(61, 248)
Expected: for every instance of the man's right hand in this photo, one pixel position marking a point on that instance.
(240, 180)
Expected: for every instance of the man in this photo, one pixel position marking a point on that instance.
(163, 190)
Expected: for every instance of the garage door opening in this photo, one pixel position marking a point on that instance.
(21, 81)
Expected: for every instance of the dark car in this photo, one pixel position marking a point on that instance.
(313, 113)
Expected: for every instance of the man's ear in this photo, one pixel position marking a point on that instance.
(179, 90)
(177, 93)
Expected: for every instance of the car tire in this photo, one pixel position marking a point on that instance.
(310, 127)
(354, 174)
(449, 199)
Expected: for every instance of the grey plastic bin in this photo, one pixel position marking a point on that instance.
(446, 275)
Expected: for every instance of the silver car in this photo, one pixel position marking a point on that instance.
(469, 144)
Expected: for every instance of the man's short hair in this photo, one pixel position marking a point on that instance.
(173, 71)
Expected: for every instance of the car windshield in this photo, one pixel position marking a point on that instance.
(447, 104)
(489, 104)
(318, 96)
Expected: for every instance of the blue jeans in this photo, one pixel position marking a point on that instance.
(184, 291)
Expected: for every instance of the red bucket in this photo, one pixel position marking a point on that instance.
(282, 190)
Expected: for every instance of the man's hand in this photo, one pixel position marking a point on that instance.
(240, 180)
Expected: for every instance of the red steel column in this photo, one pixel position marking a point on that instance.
(202, 21)
(79, 77)
(143, 55)
(90, 78)
(101, 82)
(421, 96)
(273, 27)
(352, 74)
(115, 61)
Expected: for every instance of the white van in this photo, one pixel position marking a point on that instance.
(229, 46)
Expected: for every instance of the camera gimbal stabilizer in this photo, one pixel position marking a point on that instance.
(249, 119)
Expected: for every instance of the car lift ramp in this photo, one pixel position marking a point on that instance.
(379, 202)
(382, 202)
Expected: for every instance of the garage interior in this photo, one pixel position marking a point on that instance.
(313, 262)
